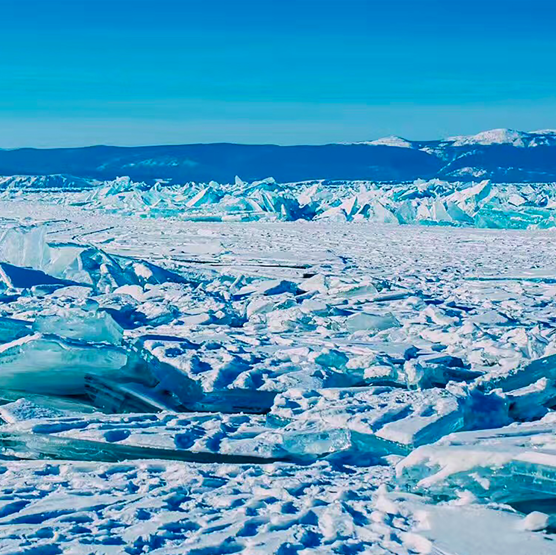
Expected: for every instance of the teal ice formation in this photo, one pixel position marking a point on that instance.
(473, 204)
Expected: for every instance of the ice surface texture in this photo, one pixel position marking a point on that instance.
(172, 386)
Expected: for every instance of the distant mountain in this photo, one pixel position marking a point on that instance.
(501, 155)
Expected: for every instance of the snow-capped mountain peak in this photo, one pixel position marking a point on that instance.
(519, 139)
(391, 140)
(491, 137)
(543, 132)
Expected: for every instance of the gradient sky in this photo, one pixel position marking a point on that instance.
(127, 72)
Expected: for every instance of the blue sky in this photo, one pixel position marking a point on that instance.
(79, 72)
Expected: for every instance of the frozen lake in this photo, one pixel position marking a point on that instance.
(172, 386)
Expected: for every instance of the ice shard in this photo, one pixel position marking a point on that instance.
(377, 420)
(90, 327)
(13, 328)
(513, 464)
(50, 365)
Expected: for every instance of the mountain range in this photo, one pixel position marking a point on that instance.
(502, 155)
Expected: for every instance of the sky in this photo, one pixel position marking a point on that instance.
(131, 72)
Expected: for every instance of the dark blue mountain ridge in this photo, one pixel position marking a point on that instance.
(500, 155)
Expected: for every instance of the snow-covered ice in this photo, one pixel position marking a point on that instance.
(266, 368)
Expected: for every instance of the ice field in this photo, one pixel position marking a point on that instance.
(265, 368)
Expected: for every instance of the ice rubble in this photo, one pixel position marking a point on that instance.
(112, 358)
(435, 202)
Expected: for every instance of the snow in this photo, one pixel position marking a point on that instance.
(511, 137)
(494, 136)
(392, 140)
(288, 382)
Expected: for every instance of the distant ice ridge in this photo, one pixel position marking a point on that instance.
(474, 204)
(18, 183)
(468, 204)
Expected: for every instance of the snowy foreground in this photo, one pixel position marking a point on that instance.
(215, 387)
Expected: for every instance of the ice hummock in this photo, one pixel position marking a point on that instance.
(435, 202)
(27, 259)
(377, 420)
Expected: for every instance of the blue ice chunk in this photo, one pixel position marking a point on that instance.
(513, 464)
(49, 365)
(92, 327)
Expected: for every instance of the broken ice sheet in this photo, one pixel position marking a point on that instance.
(515, 464)
(50, 365)
(370, 421)
(377, 420)
(521, 376)
(90, 327)
(24, 409)
(532, 401)
(33, 430)
(364, 321)
(28, 259)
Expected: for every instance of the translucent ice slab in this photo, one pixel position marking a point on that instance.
(27, 259)
(35, 431)
(92, 327)
(49, 365)
(36, 446)
(377, 420)
(513, 464)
